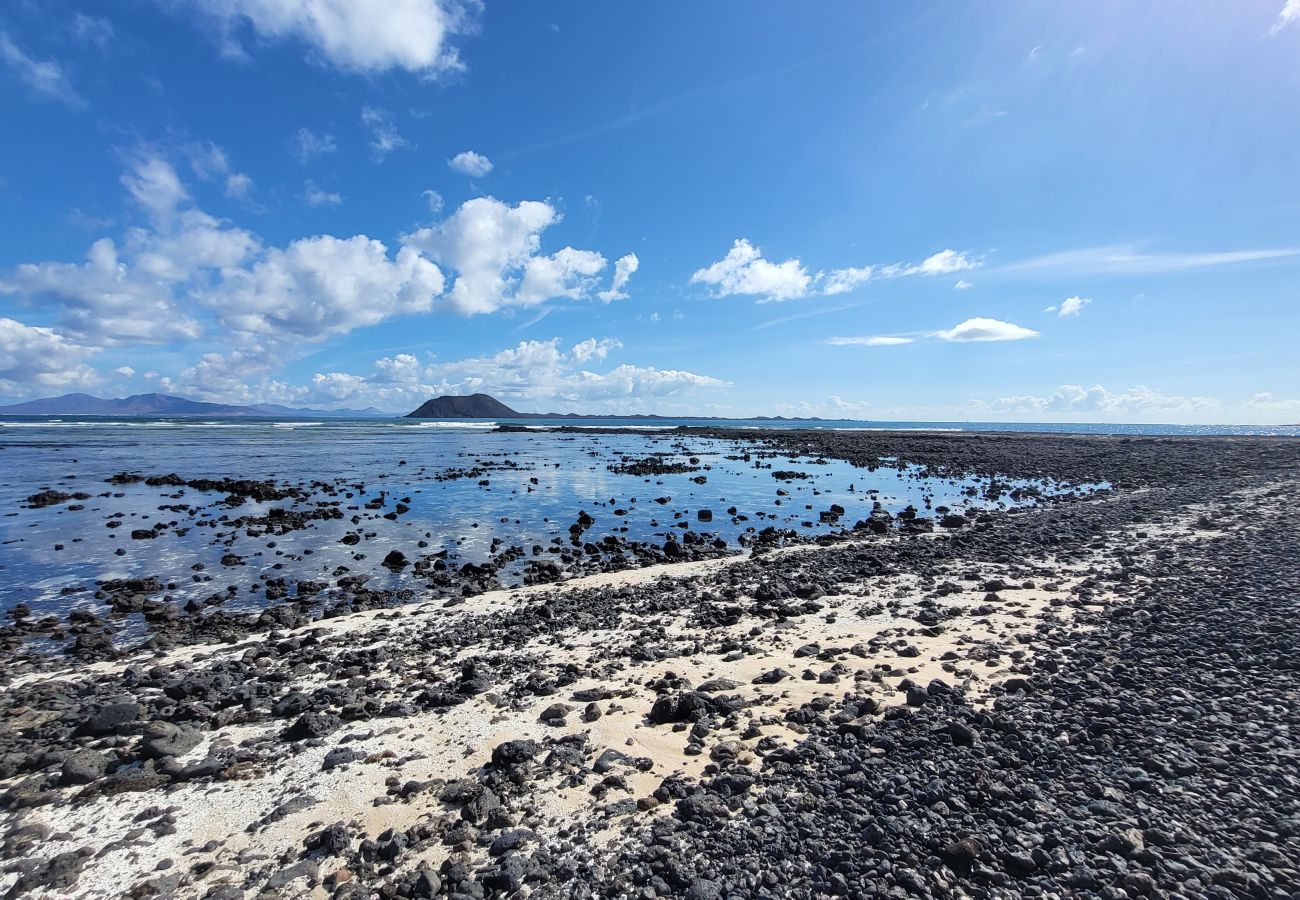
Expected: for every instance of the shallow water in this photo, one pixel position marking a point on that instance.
(45, 551)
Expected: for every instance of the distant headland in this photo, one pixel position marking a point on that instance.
(166, 406)
(485, 406)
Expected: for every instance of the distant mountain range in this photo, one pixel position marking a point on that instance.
(483, 406)
(148, 405)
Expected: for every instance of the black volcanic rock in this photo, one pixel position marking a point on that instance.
(475, 406)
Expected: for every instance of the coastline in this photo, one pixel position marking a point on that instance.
(418, 746)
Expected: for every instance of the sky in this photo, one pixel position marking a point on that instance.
(945, 210)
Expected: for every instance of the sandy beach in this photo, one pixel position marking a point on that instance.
(653, 732)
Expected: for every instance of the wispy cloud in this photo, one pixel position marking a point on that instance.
(975, 330)
(384, 137)
(1127, 260)
(45, 77)
(884, 340)
(314, 195)
(806, 314)
(307, 144)
(1289, 15)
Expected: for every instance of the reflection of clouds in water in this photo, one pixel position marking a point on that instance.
(368, 453)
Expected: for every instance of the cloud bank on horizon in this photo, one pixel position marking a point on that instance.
(356, 203)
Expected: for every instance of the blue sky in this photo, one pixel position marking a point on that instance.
(947, 210)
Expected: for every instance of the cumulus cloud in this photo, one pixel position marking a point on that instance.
(354, 35)
(532, 372)
(322, 286)
(434, 199)
(384, 137)
(841, 281)
(624, 267)
(565, 273)
(475, 165)
(494, 250)
(1073, 398)
(883, 340)
(945, 262)
(307, 144)
(1289, 15)
(33, 358)
(187, 275)
(125, 295)
(45, 77)
(980, 329)
(744, 270)
(1070, 307)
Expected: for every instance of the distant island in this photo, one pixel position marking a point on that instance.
(144, 405)
(485, 406)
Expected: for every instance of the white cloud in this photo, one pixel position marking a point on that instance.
(475, 165)
(33, 358)
(384, 137)
(434, 199)
(565, 273)
(238, 185)
(45, 77)
(187, 275)
(1070, 307)
(494, 250)
(531, 373)
(307, 145)
(124, 371)
(980, 329)
(92, 30)
(106, 301)
(841, 281)
(322, 286)
(155, 186)
(1289, 15)
(316, 196)
(624, 267)
(833, 407)
(883, 340)
(230, 378)
(962, 285)
(592, 348)
(1073, 398)
(1266, 401)
(355, 35)
(744, 271)
(1127, 260)
(945, 262)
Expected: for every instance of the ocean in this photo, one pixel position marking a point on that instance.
(456, 489)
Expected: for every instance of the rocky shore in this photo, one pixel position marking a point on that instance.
(1085, 697)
